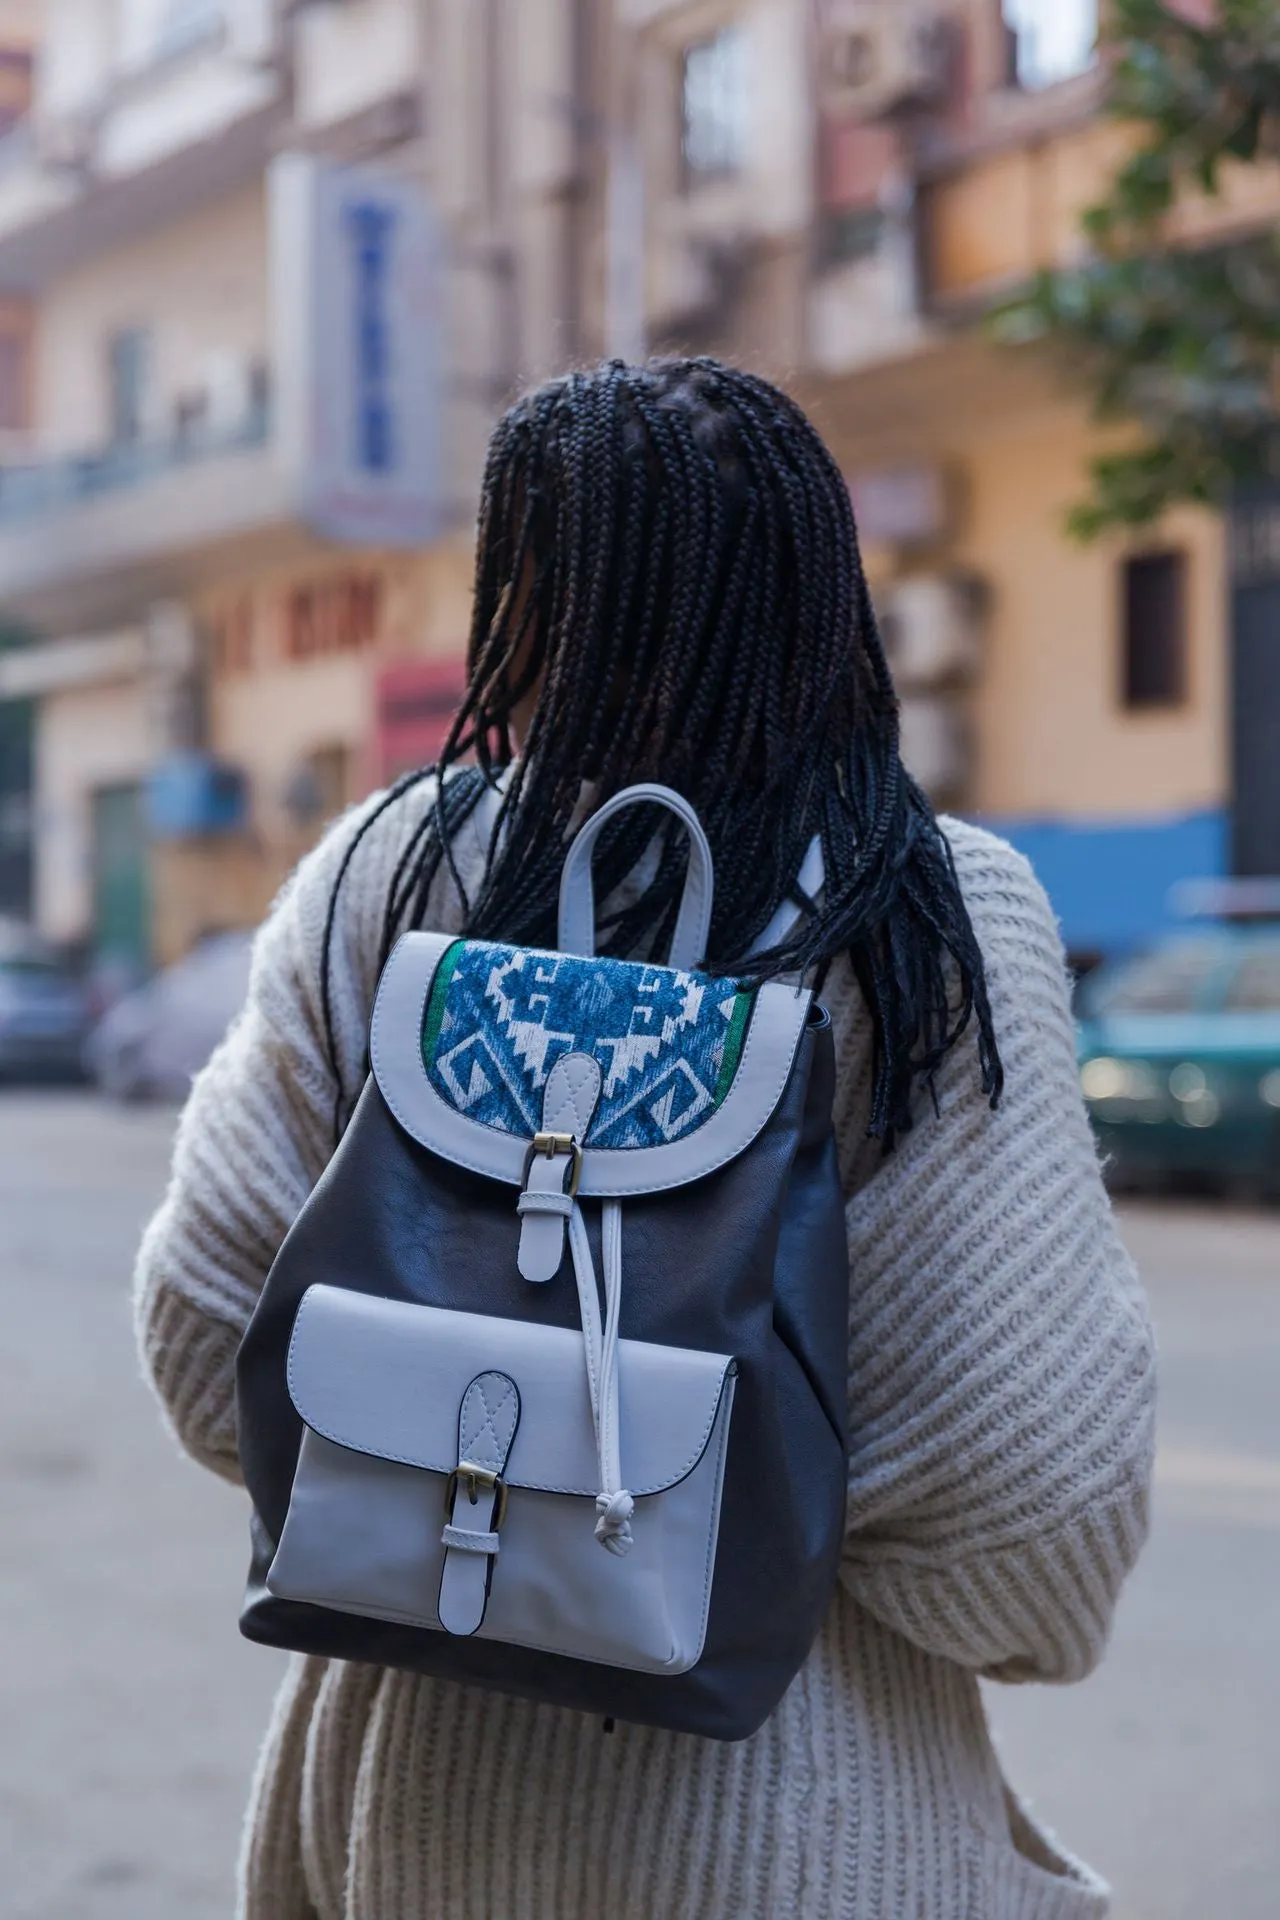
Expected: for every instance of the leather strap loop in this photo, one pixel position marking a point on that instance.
(467, 1540)
(532, 1200)
(577, 927)
(572, 1093)
(487, 1422)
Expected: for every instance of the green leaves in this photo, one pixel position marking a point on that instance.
(1182, 343)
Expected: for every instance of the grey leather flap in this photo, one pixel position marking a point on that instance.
(384, 1377)
(395, 1050)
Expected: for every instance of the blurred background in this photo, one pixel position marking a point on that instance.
(268, 271)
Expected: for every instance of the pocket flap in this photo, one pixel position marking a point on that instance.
(402, 1034)
(386, 1377)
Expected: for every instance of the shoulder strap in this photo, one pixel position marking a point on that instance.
(808, 881)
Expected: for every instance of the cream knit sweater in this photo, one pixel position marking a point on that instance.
(1000, 1401)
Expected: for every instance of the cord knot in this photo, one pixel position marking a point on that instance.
(613, 1528)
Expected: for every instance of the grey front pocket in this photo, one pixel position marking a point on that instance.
(378, 1384)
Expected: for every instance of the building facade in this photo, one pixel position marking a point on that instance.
(850, 237)
(265, 277)
(241, 629)
(1090, 721)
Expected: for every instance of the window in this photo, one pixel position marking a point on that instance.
(318, 788)
(849, 233)
(713, 106)
(128, 368)
(1049, 40)
(340, 614)
(1154, 638)
(331, 767)
(1256, 987)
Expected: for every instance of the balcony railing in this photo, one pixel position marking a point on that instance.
(32, 489)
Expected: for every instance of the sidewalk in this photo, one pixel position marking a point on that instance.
(131, 1708)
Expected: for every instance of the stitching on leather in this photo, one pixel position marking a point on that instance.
(578, 1081)
(343, 1601)
(713, 1535)
(474, 1165)
(491, 1416)
(467, 1444)
(467, 1540)
(531, 1486)
(289, 1373)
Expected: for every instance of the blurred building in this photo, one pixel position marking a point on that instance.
(1075, 697)
(852, 186)
(268, 270)
(254, 323)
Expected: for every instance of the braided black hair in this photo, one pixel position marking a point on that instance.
(667, 560)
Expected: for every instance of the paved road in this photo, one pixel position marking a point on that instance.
(130, 1709)
(1164, 1767)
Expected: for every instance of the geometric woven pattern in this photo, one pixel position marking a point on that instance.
(499, 1018)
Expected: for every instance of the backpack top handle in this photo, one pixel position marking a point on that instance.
(577, 927)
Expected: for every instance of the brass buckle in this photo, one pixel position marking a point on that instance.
(473, 1478)
(552, 1144)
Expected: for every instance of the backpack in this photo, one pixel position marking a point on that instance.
(545, 1391)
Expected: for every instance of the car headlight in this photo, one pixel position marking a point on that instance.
(1103, 1078)
(1198, 1104)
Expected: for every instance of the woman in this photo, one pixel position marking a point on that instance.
(668, 587)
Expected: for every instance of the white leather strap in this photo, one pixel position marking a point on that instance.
(810, 880)
(544, 1206)
(467, 1540)
(533, 1200)
(614, 1504)
(577, 930)
(572, 1095)
(487, 1422)
(569, 1101)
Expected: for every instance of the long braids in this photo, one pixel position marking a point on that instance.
(667, 555)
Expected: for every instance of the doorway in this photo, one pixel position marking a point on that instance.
(121, 890)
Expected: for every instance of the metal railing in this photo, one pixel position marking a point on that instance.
(31, 489)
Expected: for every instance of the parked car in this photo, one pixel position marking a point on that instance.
(1180, 1059)
(44, 1010)
(156, 1039)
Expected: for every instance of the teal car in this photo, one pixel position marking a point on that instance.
(1180, 1060)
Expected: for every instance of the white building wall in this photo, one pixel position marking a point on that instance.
(348, 58)
(75, 56)
(200, 286)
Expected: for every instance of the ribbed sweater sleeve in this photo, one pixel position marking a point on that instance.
(255, 1136)
(1001, 1382)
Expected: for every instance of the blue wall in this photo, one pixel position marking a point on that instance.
(1109, 881)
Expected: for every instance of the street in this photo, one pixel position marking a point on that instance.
(131, 1709)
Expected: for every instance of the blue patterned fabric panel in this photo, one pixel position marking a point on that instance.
(499, 1018)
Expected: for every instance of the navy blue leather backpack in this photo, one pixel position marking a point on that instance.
(546, 1388)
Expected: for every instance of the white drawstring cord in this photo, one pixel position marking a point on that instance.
(614, 1505)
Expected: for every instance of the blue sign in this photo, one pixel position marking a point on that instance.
(371, 227)
(1111, 881)
(190, 795)
(356, 308)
